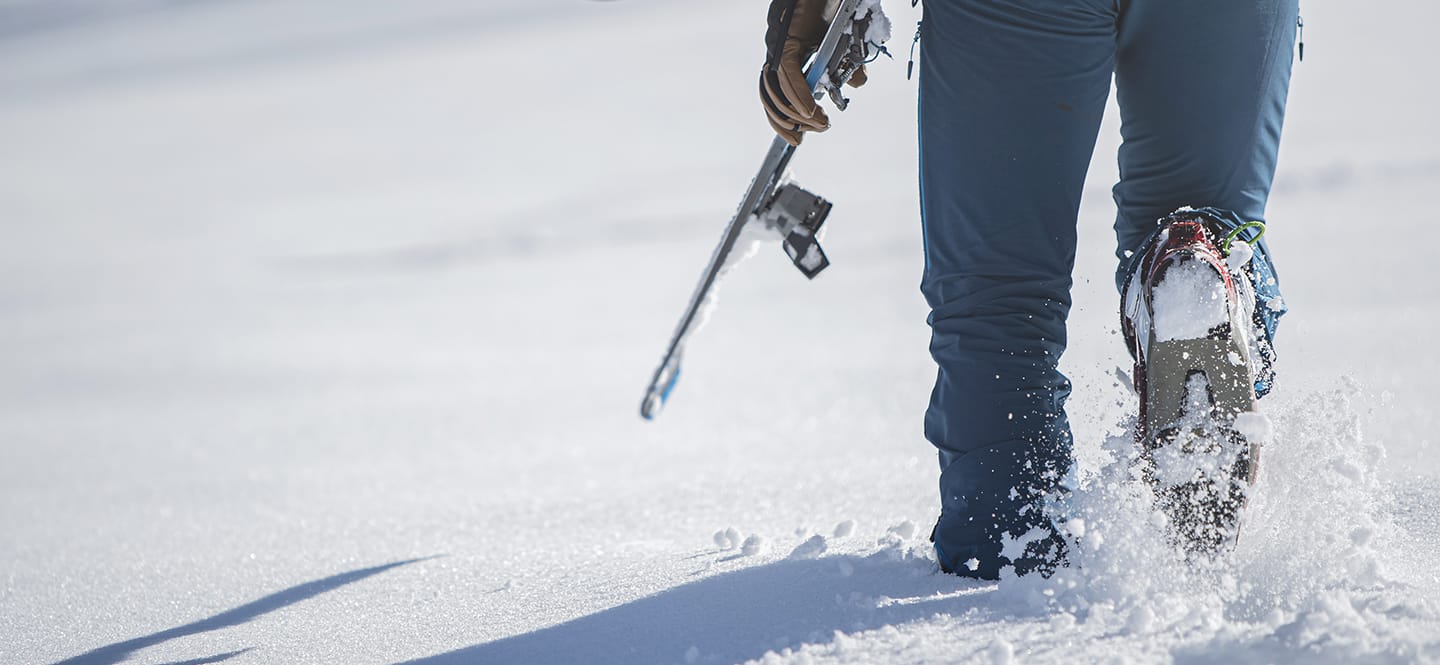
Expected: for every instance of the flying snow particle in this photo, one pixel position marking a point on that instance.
(1014, 548)
(845, 529)
(1255, 427)
(753, 545)
(1000, 653)
(1141, 620)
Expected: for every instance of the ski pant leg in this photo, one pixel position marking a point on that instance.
(1202, 86)
(1011, 97)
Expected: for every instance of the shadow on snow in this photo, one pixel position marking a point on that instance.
(115, 653)
(744, 614)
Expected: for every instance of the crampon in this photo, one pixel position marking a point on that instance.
(1187, 312)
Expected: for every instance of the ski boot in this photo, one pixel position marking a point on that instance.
(1187, 314)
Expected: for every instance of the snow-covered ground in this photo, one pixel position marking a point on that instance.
(325, 325)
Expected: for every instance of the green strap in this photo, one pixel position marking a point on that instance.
(1230, 237)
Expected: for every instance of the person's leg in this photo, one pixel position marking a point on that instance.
(1011, 97)
(1202, 87)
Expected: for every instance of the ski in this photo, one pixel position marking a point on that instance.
(782, 207)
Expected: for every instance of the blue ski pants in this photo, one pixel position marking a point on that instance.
(1011, 97)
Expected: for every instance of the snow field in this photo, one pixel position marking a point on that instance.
(325, 324)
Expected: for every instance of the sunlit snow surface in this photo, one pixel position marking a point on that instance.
(325, 324)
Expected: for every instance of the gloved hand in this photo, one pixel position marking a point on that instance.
(796, 29)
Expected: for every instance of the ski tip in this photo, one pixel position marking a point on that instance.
(651, 406)
(657, 396)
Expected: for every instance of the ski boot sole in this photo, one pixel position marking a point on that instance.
(1198, 464)
(1192, 385)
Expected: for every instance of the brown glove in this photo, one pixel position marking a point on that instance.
(796, 30)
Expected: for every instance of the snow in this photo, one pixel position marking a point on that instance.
(727, 538)
(1001, 652)
(747, 244)
(878, 31)
(1014, 548)
(1240, 254)
(904, 530)
(753, 545)
(811, 259)
(810, 549)
(1255, 427)
(1188, 301)
(325, 325)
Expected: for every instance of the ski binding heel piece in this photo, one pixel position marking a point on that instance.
(797, 216)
